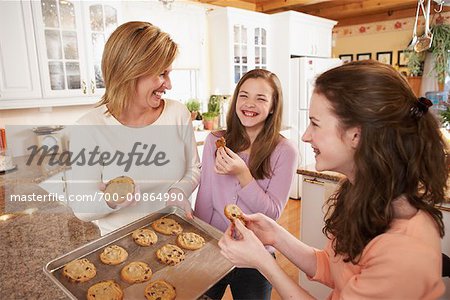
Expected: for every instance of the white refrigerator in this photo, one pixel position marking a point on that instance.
(303, 72)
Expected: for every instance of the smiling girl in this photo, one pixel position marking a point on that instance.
(254, 170)
(383, 223)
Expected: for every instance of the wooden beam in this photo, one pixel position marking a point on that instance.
(274, 5)
(244, 4)
(396, 14)
(359, 8)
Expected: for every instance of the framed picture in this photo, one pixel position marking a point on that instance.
(402, 58)
(385, 57)
(346, 58)
(363, 56)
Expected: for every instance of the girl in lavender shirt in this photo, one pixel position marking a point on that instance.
(254, 170)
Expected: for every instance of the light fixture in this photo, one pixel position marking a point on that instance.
(167, 3)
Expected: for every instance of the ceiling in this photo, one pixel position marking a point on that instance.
(345, 12)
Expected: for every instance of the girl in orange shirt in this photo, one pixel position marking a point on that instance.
(383, 226)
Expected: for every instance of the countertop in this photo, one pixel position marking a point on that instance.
(336, 177)
(34, 233)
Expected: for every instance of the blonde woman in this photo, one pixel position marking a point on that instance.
(134, 132)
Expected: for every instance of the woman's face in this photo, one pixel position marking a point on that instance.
(334, 148)
(151, 88)
(254, 103)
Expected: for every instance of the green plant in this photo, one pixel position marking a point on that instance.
(210, 115)
(193, 105)
(440, 49)
(214, 104)
(445, 116)
(415, 62)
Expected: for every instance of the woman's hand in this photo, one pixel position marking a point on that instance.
(181, 201)
(229, 163)
(130, 201)
(263, 227)
(247, 251)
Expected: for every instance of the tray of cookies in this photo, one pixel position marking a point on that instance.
(161, 256)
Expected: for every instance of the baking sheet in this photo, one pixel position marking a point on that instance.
(192, 277)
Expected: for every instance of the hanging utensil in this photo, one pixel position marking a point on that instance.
(414, 37)
(424, 42)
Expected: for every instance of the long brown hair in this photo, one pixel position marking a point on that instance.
(398, 154)
(266, 141)
(133, 50)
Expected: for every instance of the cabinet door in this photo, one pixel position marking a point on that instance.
(260, 47)
(322, 41)
(240, 51)
(300, 38)
(60, 45)
(19, 71)
(100, 19)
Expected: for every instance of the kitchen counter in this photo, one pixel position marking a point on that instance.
(333, 176)
(34, 232)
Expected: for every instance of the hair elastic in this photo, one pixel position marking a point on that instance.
(420, 107)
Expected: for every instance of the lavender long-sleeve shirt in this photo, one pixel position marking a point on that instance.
(267, 196)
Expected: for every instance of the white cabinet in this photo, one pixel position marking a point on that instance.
(304, 35)
(315, 192)
(19, 71)
(70, 39)
(56, 185)
(239, 42)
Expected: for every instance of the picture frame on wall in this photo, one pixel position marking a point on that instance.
(385, 57)
(346, 58)
(363, 56)
(402, 58)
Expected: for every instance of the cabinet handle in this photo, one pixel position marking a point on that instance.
(83, 87)
(314, 181)
(92, 86)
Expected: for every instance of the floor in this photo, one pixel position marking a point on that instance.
(290, 219)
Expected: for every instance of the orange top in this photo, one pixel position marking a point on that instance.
(403, 263)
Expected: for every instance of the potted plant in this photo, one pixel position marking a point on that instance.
(208, 120)
(440, 50)
(415, 69)
(193, 105)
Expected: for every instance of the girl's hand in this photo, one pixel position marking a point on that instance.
(130, 199)
(181, 201)
(229, 163)
(247, 251)
(265, 228)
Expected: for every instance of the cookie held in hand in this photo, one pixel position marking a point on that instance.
(118, 189)
(233, 212)
(221, 143)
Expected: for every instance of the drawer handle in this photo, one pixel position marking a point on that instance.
(313, 181)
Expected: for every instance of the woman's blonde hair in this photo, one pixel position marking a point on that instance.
(133, 50)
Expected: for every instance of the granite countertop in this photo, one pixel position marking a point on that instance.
(33, 172)
(333, 176)
(32, 233)
(35, 234)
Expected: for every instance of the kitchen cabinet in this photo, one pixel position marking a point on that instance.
(51, 51)
(315, 193)
(70, 39)
(56, 185)
(19, 71)
(239, 42)
(306, 35)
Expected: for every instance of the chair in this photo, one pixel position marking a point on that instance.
(445, 265)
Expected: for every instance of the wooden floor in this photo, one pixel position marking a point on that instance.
(290, 219)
